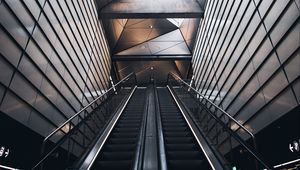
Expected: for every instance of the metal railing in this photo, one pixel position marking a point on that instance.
(77, 133)
(227, 135)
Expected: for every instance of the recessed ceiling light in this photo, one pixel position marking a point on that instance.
(150, 26)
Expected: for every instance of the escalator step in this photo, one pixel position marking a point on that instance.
(168, 124)
(174, 140)
(124, 125)
(128, 129)
(123, 140)
(183, 155)
(185, 164)
(182, 150)
(181, 147)
(119, 150)
(115, 165)
(176, 129)
(117, 155)
(124, 135)
(178, 134)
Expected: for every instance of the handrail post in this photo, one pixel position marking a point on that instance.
(135, 79)
(189, 89)
(168, 78)
(112, 84)
(151, 74)
(255, 148)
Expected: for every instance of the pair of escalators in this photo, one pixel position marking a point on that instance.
(181, 148)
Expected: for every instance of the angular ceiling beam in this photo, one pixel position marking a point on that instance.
(151, 57)
(152, 9)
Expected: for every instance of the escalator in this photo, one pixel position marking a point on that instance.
(181, 147)
(119, 150)
(151, 128)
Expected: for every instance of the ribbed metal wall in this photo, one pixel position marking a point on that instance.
(54, 60)
(247, 58)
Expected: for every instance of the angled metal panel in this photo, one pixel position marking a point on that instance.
(172, 36)
(156, 47)
(179, 49)
(135, 35)
(136, 50)
(189, 30)
(152, 58)
(152, 9)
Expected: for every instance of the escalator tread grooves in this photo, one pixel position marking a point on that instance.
(182, 149)
(119, 149)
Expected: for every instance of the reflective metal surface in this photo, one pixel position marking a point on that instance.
(54, 59)
(152, 39)
(160, 70)
(152, 9)
(243, 60)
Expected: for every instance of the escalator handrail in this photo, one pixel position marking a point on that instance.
(137, 165)
(160, 139)
(87, 106)
(231, 132)
(220, 109)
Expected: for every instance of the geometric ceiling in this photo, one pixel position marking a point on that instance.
(151, 37)
(157, 33)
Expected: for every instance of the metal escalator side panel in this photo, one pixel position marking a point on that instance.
(150, 148)
(210, 157)
(90, 158)
(122, 149)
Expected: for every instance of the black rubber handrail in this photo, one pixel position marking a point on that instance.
(67, 122)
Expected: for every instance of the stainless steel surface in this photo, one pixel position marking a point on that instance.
(150, 159)
(161, 143)
(154, 8)
(186, 59)
(152, 36)
(142, 40)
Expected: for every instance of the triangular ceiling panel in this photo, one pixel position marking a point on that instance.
(139, 31)
(190, 44)
(179, 49)
(189, 29)
(122, 22)
(134, 35)
(125, 46)
(118, 28)
(176, 21)
(152, 23)
(115, 26)
(134, 21)
(156, 47)
(141, 49)
(159, 31)
(153, 36)
(171, 36)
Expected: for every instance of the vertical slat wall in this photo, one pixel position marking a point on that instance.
(246, 58)
(54, 59)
